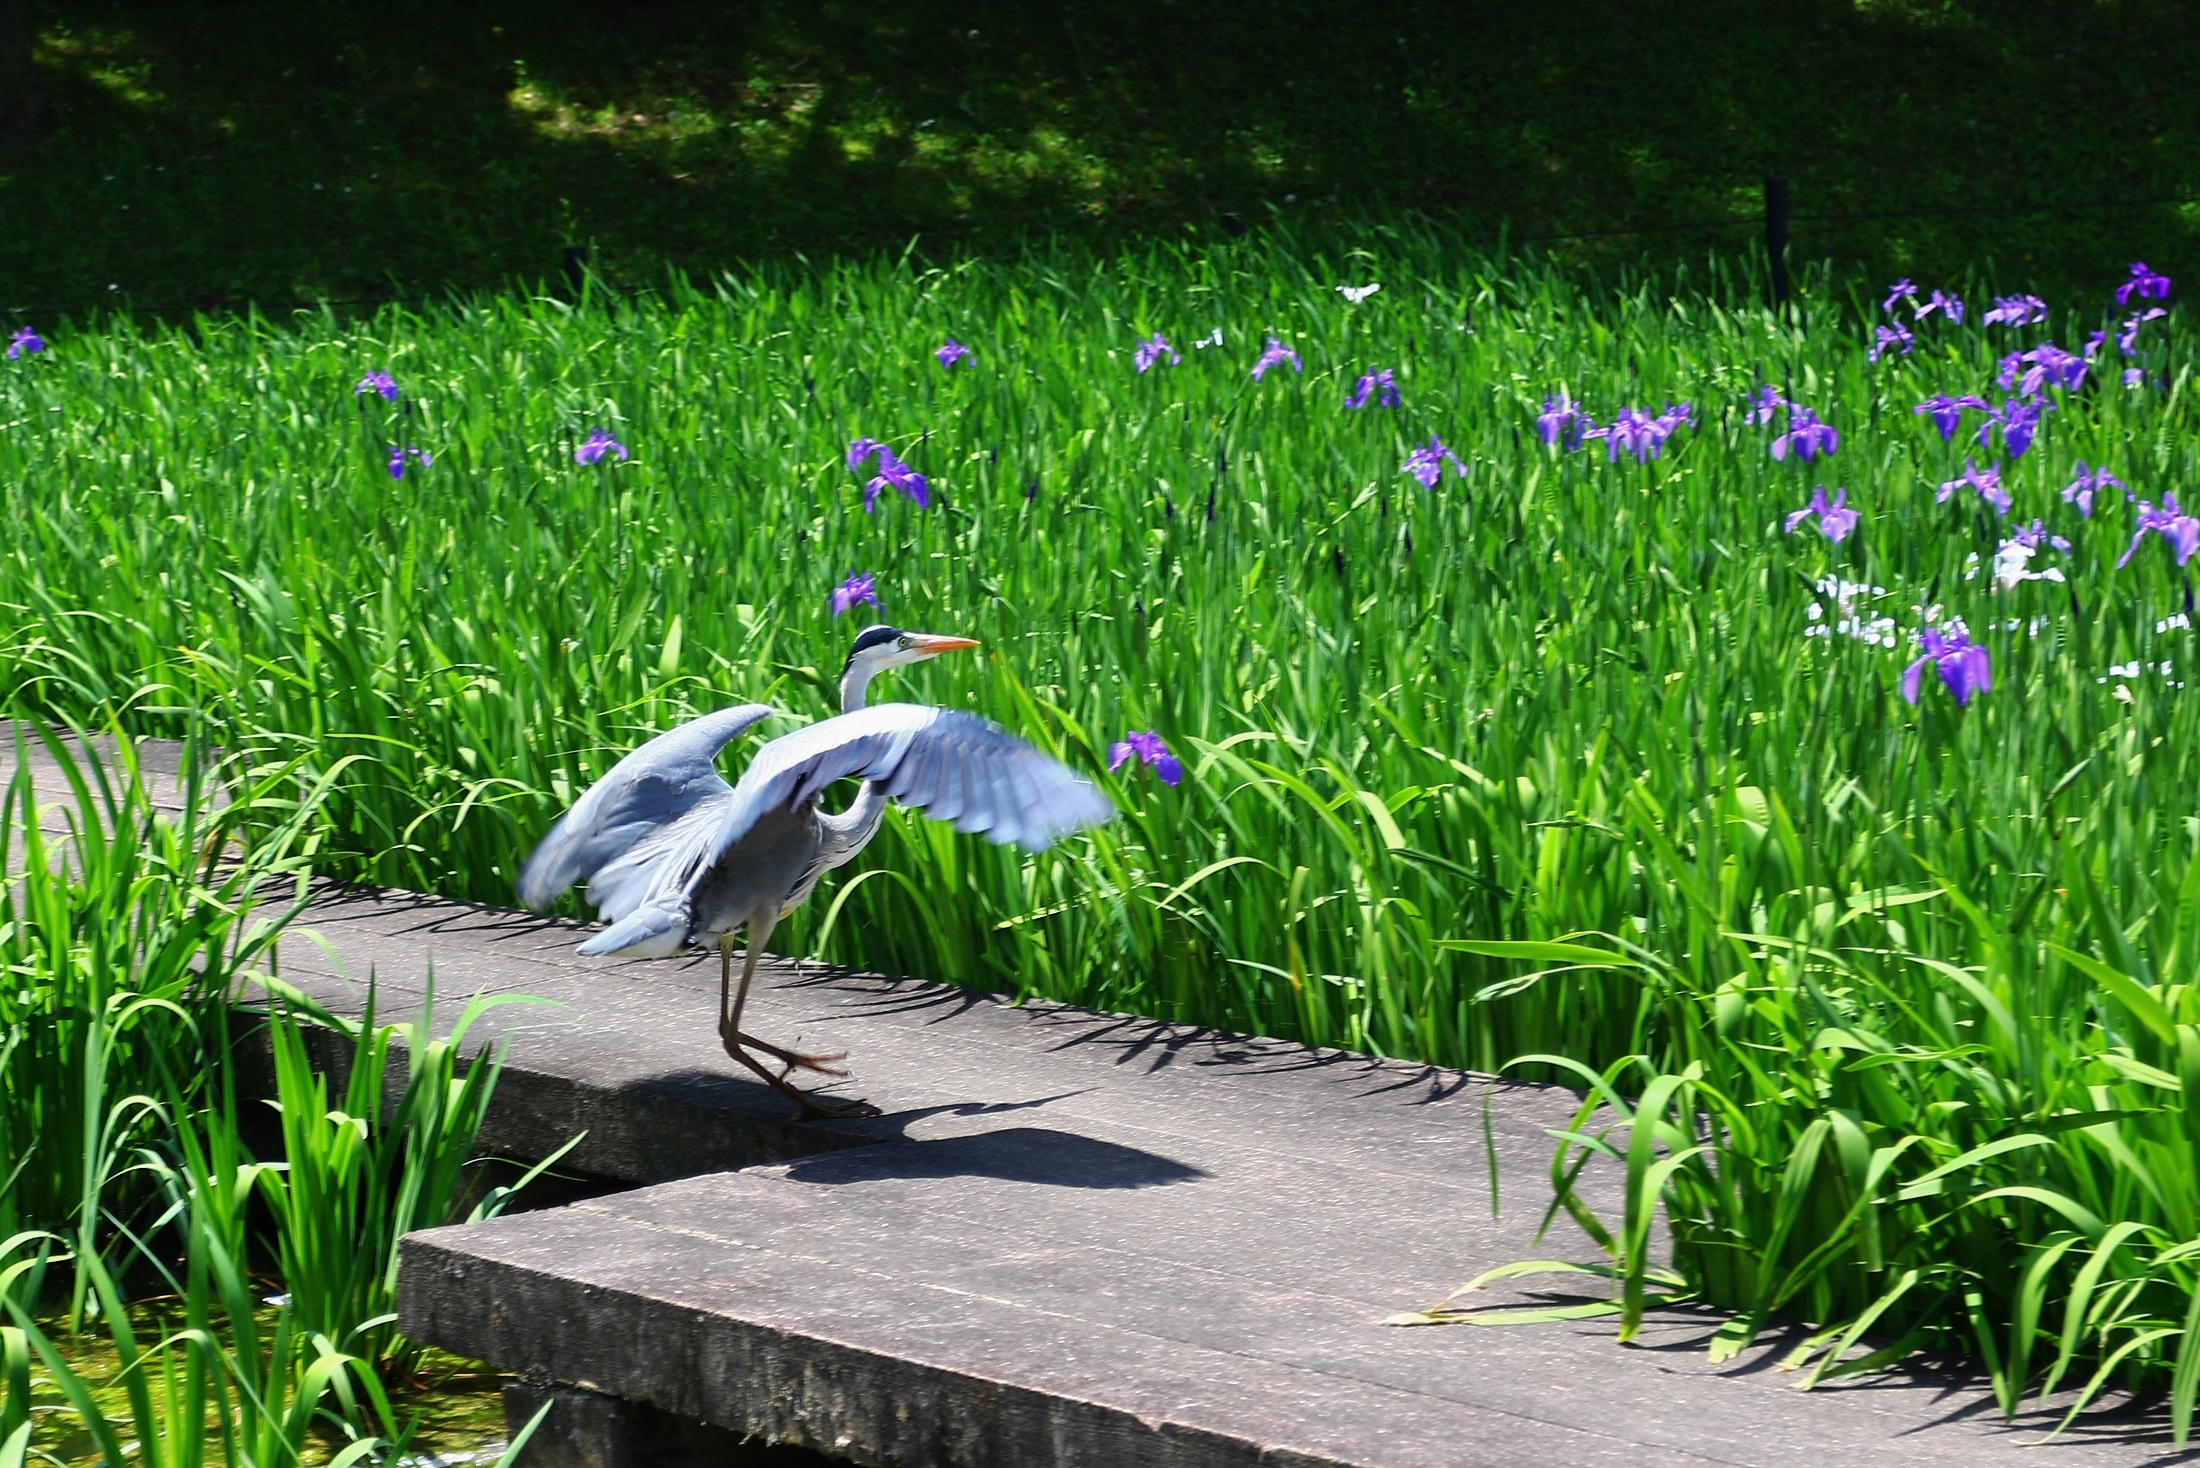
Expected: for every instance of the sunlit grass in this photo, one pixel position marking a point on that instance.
(111, 60)
(1555, 699)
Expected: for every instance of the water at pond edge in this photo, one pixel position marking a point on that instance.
(459, 1403)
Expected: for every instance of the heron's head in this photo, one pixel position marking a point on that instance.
(879, 648)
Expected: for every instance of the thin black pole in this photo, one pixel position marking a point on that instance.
(1776, 236)
(576, 267)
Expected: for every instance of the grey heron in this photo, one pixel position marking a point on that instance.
(675, 856)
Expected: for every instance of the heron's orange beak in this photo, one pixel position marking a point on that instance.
(932, 646)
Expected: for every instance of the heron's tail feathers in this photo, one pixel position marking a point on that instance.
(652, 932)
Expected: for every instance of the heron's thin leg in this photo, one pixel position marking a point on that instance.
(760, 925)
(725, 979)
(792, 1059)
(736, 1043)
(729, 1023)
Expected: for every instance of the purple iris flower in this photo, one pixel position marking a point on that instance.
(1562, 418)
(1150, 751)
(2094, 343)
(2036, 535)
(1276, 355)
(951, 352)
(1381, 386)
(1807, 436)
(2135, 377)
(2171, 523)
(1947, 305)
(2145, 281)
(2018, 422)
(1901, 290)
(1765, 402)
(856, 591)
(1962, 664)
(2028, 372)
(24, 342)
(1948, 412)
(377, 382)
(2064, 368)
(894, 474)
(1835, 520)
(2080, 491)
(2016, 311)
(1427, 464)
(1986, 481)
(1150, 352)
(1896, 335)
(1640, 433)
(1675, 419)
(399, 454)
(2128, 338)
(598, 443)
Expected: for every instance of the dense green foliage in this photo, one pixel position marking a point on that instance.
(127, 1182)
(234, 150)
(1898, 960)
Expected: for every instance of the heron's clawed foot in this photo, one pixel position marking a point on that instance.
(738, 1046)
(736, 1043)
(796, 1059)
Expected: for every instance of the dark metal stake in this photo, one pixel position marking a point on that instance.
(1776, 236)
(576, 267)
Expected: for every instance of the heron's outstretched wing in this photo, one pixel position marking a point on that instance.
(953, 766)
(649, 790)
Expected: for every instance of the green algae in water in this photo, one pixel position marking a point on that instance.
(461, 1409)
(457, 1404)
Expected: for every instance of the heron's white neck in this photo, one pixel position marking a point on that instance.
(853, 684)
(847, 833)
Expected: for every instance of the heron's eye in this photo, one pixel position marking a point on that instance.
(907, 643)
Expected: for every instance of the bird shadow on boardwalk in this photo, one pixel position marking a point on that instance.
(1041, 1155)
(1027, 1154)
(877, 1149)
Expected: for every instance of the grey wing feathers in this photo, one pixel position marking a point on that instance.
(625, 882)
(646, 905)
(648, 791)
(953, 766)
(989, 783)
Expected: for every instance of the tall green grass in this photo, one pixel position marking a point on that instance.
(1558, 696)
(133, 935)
(129, 934)
(360, 1173)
